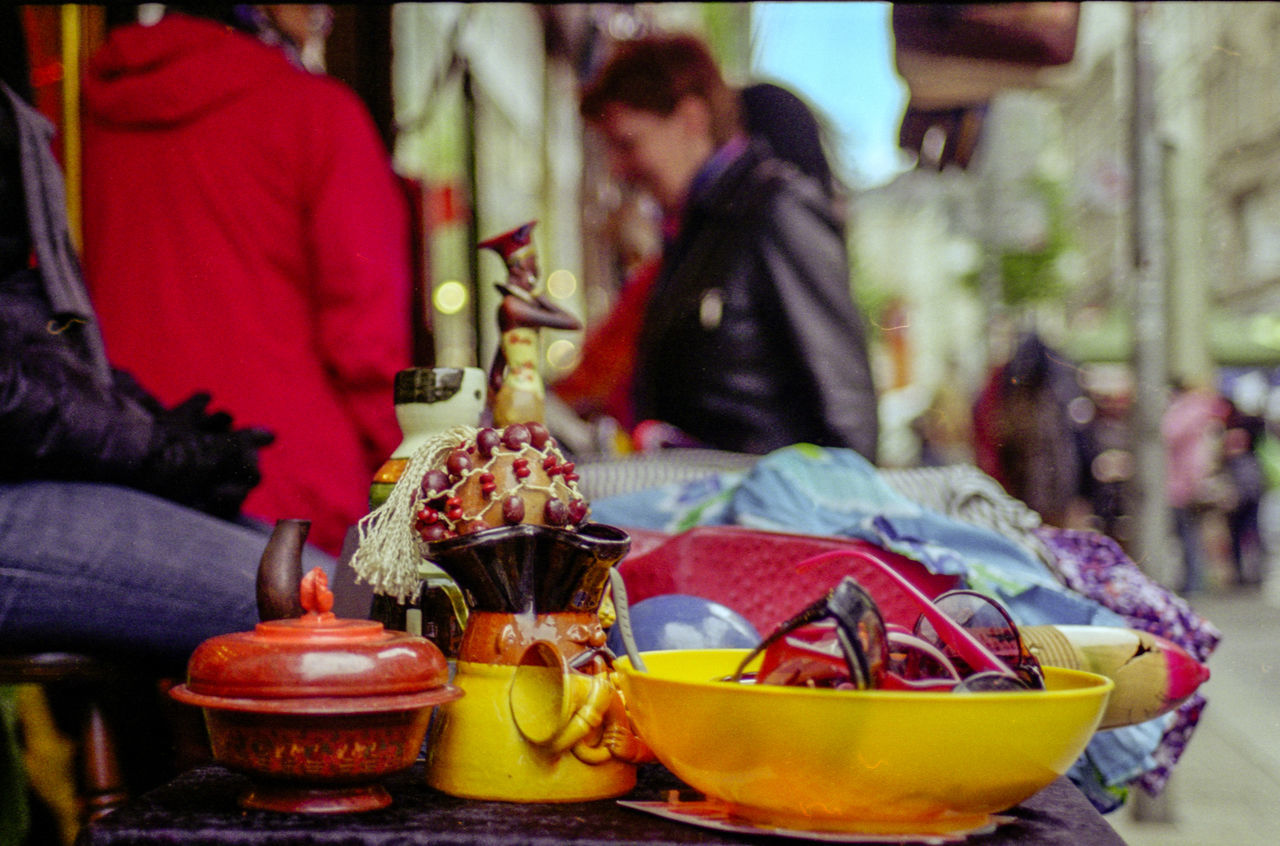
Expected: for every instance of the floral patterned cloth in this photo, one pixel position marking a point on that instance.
(1094, 565)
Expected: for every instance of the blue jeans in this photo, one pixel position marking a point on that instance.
(1188, 523)
(109, 570)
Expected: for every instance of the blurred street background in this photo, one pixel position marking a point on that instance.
(1224, 788)
(1078, 199)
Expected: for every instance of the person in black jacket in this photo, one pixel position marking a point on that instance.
(750, 340)
(794, 131)
(119, 528)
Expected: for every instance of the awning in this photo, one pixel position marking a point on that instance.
(955, 57)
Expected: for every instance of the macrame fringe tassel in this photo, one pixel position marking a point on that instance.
(387, 556)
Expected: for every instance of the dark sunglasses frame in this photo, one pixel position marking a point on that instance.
(1024, 665)
(849, 605)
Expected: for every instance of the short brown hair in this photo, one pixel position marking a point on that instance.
(653, 74)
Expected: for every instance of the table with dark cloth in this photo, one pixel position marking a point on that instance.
(199, 809)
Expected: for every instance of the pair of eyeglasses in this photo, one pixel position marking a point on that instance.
(991, 624)
(964, 641)
(838, 641)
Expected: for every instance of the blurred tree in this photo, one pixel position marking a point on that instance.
(1029, 274)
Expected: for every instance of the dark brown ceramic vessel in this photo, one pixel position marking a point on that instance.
(524, 583)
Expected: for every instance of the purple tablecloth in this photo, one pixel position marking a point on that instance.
(199, 809)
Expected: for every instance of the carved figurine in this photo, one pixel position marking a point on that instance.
(516, 392)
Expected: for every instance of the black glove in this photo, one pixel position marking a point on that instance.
(193, 411)
(212, 471)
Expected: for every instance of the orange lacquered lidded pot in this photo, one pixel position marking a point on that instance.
(317, 709)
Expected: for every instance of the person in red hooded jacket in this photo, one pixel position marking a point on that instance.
(244, 235)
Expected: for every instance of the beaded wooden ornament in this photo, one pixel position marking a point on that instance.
(499, 477)
(461, 481)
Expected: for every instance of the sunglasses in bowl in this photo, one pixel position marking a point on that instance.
(962, 641)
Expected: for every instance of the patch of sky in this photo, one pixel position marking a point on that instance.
(839, 57)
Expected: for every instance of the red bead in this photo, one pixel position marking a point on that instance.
(453, 508)
(433, 532)
(487, 440)
(549, 464)
(515, 436)
(577, 511)
(458, 462)
(513, 509)
(538, 434)
(434, 481)
(556, 512)
(521, 468)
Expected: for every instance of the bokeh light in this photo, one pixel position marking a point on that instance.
(450, 297)
(562, 284)
(563, 354)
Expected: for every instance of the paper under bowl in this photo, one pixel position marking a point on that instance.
(857, 760)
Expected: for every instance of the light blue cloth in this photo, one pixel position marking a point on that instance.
(836, 492)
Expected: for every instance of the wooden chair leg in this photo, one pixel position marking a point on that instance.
(104, 788)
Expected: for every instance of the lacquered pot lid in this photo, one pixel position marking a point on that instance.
(316, 655)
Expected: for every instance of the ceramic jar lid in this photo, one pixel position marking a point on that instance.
(315, 655)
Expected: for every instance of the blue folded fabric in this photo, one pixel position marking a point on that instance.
(836, 492)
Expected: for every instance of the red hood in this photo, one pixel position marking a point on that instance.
(175, 70)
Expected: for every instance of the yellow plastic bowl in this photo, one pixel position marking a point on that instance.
(868, 761)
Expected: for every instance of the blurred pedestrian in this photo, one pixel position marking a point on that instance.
(1192, 428)
(1240, 443)
(1026, 437)
(750, 339)
(1111, 462)
(245, 236)
(944, 430)
(601, 385)
(119, 527)
(794, 130)
(120, 534)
